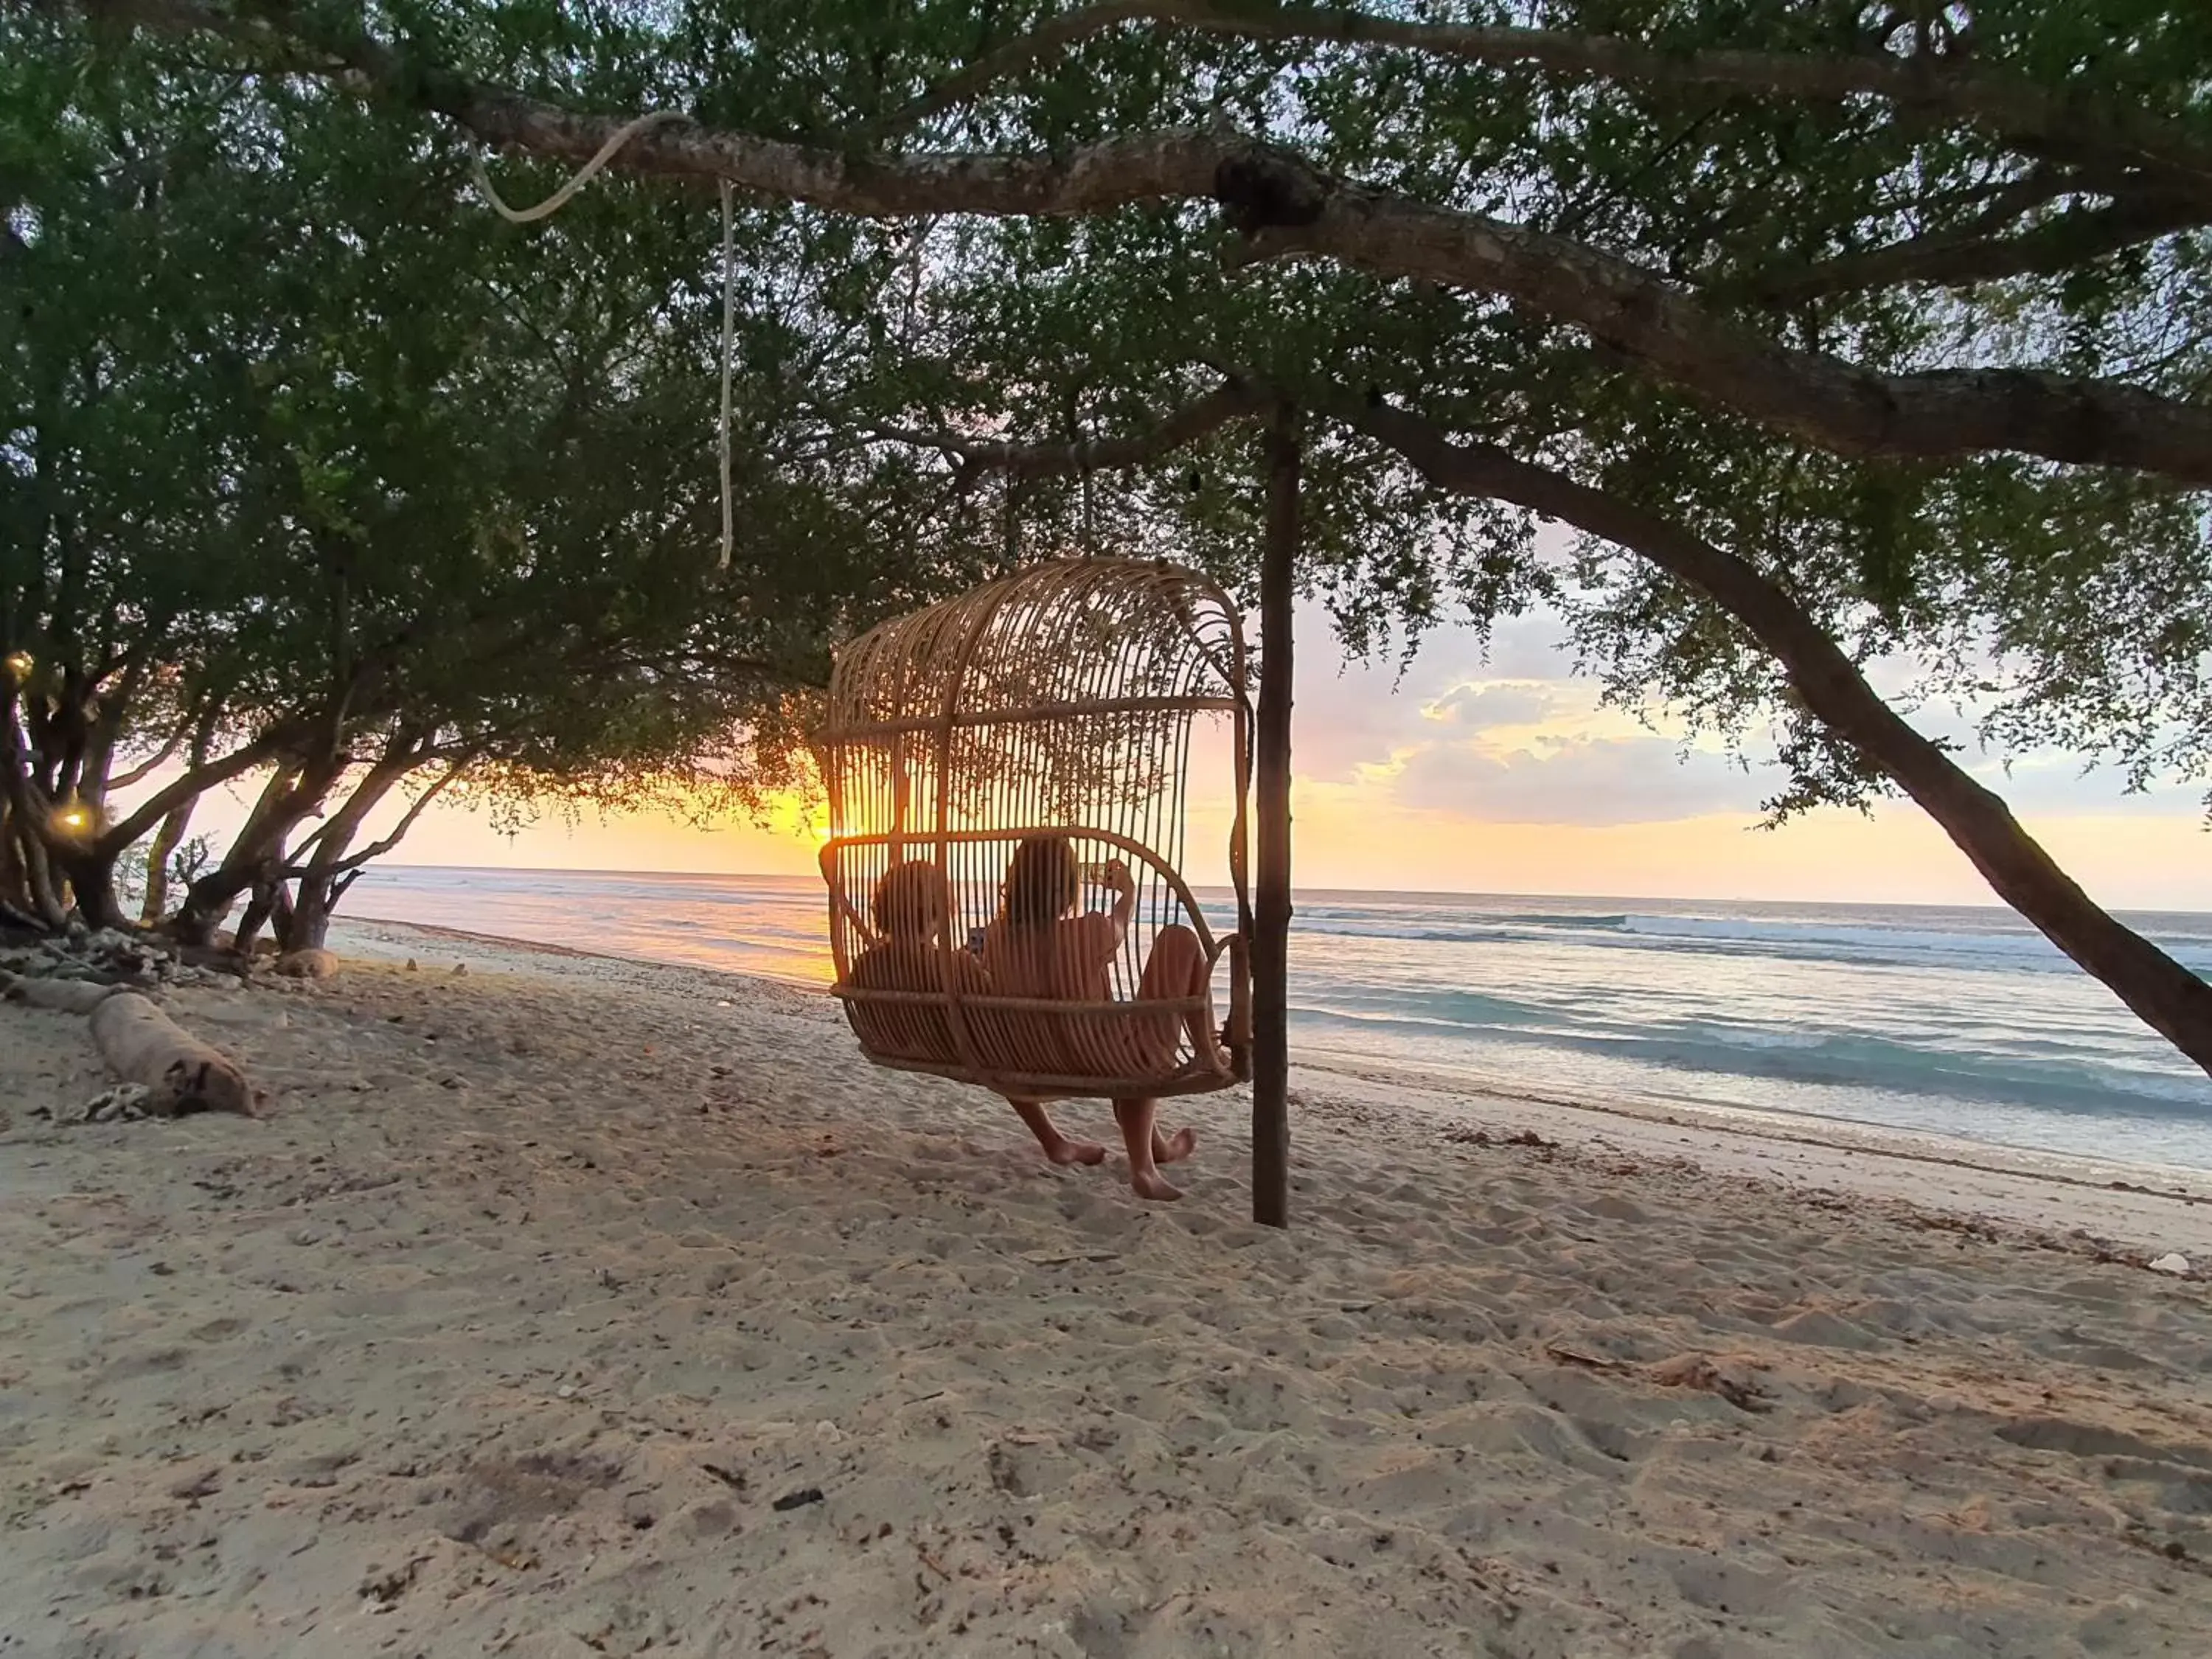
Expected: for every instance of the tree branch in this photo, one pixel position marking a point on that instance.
(195, 783)
(2166, 996)
(2038, 119)
(1230, 401)
(146, 768)
(1819, 399)
(1287, 208)
(1961, 260)
(377, 849)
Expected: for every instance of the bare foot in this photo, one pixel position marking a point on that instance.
(1076, 1152)
(1173, 1149)
(1149, 1183)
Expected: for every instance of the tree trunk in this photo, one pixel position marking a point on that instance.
(1271, 908)
(270, 904)
(308, 928)
(291, 795)
(22, 824)
(2166, 996)
(334, 867)
(171, 835)
(309, 925)
(15, 880)
(42, 893)
(91, 877)
(325, 879)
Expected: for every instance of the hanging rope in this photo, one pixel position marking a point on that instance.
(729, 335)
(591, 170)
(560, 197)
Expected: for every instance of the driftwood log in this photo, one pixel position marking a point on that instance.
(65, 996)
(141, 1044)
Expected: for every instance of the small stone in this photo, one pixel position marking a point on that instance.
(460, 968)
(413, 966)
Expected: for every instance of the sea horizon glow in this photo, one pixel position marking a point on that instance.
(1500, 773)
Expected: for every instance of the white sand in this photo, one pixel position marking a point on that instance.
(538, 1288)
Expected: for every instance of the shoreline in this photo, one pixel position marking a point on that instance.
(2151, 1208)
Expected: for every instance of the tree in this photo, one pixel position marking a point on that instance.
(1845, 294)
(435, 493)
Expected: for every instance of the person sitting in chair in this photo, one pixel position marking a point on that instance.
(910, 905)
(1037, 948)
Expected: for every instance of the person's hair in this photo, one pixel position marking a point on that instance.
(910, 898)
(1041, 882)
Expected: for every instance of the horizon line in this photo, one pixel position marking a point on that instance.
(1993, 904)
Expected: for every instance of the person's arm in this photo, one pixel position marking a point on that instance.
(1124, 899)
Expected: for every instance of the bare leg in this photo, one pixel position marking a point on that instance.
(1057, 1147)
(1176, 968)
(1136, 1118)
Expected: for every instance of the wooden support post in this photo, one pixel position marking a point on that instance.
(1271, 909)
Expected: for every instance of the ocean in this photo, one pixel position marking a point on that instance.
(1958, 1021)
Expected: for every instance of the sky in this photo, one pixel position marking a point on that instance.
(1505, 775)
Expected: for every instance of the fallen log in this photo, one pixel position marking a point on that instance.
(141, 1044)
(67, 996)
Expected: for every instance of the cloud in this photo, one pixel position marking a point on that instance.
(1480, 708)
(1592, 781)
(1511, 737)
(1357, 715)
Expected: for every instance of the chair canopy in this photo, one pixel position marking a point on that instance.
(1061, 700)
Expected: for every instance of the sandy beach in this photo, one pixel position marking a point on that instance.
(567, 1305)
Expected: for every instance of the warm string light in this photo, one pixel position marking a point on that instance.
(72, 820)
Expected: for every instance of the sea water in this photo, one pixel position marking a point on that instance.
(1960, 1022)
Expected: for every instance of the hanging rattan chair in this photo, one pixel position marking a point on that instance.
(1059, 700)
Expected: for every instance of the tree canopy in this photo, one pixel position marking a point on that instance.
(315, 467)
(1862, 331)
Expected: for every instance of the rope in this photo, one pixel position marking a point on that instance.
(729, 333)
(590, 169)
(560, 197)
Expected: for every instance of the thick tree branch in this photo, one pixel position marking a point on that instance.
(376, 849)
(2165, 995)
(1289, 209)
(389, 769)
(194, 783)
(160, 757)
(2038, 119)
(1821, 399)
(2060, 243)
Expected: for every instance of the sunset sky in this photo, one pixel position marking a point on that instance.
(1505, 776)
